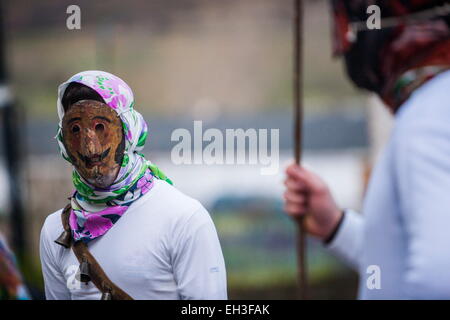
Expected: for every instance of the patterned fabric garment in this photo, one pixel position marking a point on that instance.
(11, 284)
(95, 211)
(399, 57)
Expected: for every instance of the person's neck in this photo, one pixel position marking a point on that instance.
(425, 68)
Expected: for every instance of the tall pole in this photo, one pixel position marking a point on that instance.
(298, 121)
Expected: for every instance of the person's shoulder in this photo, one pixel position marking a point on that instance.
(176, 205)
(184, 216)
(421, 125)
(52, 226)
(427, 106)
(173, 198)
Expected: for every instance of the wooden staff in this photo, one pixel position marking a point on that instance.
(298, 120)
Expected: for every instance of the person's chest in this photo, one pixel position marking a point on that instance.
(134, 254)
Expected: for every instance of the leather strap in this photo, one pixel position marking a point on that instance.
(96, 273)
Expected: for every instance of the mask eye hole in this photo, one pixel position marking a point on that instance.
(99, 127)
(75, 128)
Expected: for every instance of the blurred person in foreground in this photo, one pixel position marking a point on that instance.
(404, 229)
(11, 281)
(151, 240)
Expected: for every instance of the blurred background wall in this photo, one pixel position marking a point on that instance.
(227, 63)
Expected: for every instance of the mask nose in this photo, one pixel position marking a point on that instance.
(91, 144)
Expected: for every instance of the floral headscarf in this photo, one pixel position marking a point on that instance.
(94, 211)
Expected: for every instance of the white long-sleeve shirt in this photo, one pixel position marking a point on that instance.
(404, 232)
(164, 247)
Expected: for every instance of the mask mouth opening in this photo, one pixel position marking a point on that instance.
(94, 160)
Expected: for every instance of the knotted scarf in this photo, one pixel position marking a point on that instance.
(95, 211)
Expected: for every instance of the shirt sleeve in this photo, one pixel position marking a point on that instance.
(347, 243)
(54, 281)
(422, 168)
(198, 263)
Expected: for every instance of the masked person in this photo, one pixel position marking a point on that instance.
(399, 244)
(132, 234)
